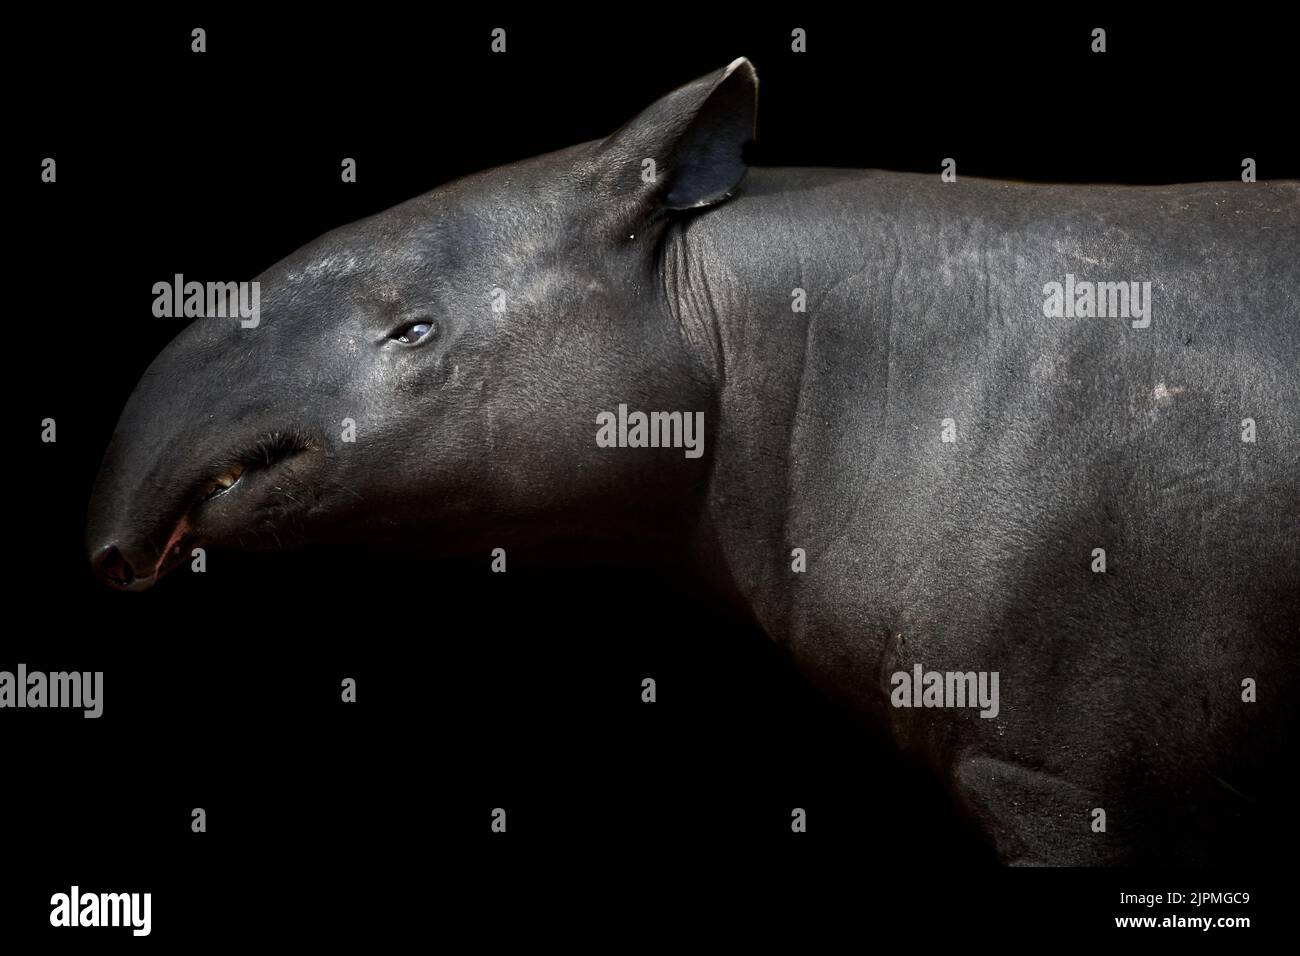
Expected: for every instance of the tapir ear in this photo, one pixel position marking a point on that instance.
(684, 151)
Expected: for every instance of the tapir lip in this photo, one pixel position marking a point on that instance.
(181, 539)
(221, 500)
(167, 561)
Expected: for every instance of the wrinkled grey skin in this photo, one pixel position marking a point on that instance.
(1119, 691)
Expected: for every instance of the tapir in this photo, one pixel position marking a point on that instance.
(1041, 437)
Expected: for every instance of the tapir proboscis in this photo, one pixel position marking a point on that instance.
(1012, 468)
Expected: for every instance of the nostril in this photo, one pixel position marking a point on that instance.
(113, 568)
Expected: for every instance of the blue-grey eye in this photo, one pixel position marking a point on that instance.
(412, 332)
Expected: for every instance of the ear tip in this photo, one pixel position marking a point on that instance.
(744, 64)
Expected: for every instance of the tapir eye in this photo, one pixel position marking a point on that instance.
(412, 332)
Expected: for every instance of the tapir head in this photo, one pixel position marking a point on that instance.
(436, 370)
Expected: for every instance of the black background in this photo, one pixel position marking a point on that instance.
(479, 690)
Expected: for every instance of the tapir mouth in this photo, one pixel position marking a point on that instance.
(259, 463)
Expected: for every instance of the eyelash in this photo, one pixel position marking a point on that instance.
(401, 333)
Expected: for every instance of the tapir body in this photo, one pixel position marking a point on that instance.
(920, 452)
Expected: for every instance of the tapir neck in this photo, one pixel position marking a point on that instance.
(755, 279)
